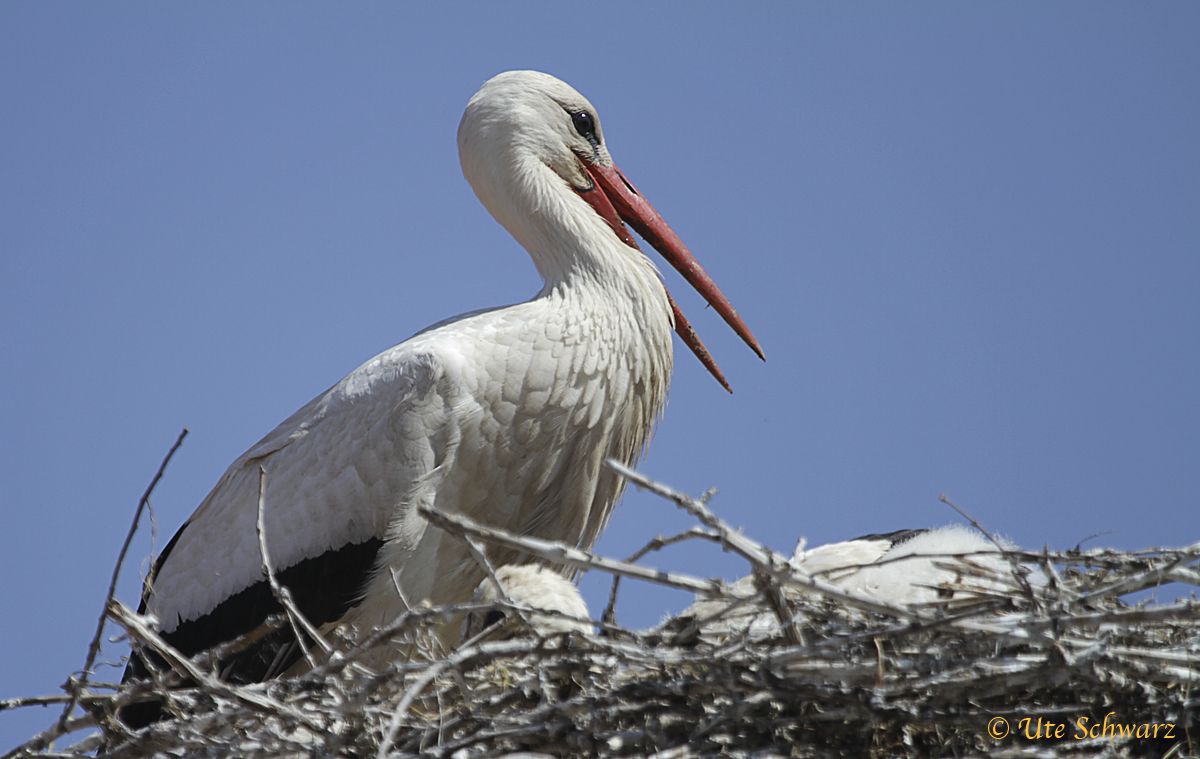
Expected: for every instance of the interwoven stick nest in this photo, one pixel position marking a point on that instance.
(780, 663)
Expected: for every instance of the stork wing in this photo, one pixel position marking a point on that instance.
(339, 472)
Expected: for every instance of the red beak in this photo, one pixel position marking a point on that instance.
(615, 198)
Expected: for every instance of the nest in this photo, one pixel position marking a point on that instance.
(780, 663)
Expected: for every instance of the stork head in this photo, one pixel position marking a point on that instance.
(522, 115)
(533, 150)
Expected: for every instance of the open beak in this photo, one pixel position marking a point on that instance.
(615, 198)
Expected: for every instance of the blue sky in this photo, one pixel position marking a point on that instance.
(967, 236)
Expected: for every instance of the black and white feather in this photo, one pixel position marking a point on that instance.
(945, 566)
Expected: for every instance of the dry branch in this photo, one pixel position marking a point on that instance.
(78, 682)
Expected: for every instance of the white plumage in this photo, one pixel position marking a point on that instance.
(533, 587)
(503, 415)
(949, 565)
(921, 570)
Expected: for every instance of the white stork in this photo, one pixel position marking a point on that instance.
(534, 587)
(503, 415)
(942, 566)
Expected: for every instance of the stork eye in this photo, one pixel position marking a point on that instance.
(585, 125)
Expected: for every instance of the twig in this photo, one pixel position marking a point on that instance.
(500, 648)
(20, 703)
(1149, 578)
(1018, 570)
(479, 553)
(77, 684)
(187, 668)
(757, 554)
(284, 596)
(609, 617)
(563, 554)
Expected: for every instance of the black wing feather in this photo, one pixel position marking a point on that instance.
(324, 588)
(895, 537)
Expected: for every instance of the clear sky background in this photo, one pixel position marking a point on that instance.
(967, 236)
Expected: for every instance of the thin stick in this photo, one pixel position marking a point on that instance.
(77, 684)
(609, 617)
(1018, 572)
(757, 554)
(19, 703)
(499, 648)
(282, 594)
(564, 554)
(480, 555)
(185, 667)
